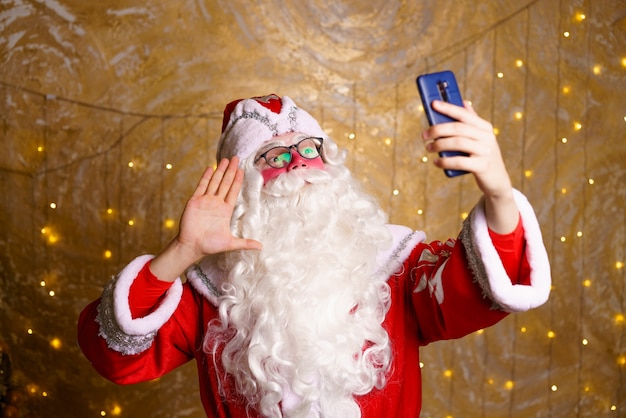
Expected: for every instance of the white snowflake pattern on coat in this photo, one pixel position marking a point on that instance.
(426, 262)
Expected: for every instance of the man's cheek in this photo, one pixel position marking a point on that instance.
(271, 173)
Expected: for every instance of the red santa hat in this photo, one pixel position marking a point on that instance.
(248, 123)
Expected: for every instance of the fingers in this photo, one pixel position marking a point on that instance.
(203, 183)
(246, 244)
(224, 182)
(462, 114)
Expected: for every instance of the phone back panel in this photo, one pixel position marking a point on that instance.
(438, 86)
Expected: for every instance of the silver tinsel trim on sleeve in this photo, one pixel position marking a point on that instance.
(475, 261)
(110, 330)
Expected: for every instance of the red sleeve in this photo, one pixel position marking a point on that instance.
(447, 301)
(176, 343)
(512, 251)
(146, 292)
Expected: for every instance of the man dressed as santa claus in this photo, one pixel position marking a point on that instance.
(299, 299)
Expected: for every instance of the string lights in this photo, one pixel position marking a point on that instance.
(569, 241)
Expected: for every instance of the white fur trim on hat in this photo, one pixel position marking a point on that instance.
(251, 124)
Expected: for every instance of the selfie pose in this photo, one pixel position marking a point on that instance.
(291, 291)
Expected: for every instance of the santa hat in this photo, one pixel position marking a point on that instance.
(248, 123)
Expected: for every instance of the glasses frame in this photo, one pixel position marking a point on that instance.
(295, 146)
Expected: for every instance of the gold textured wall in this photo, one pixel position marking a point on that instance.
(87, 87)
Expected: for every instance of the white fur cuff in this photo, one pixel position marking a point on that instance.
(488, 267)
(117, 327)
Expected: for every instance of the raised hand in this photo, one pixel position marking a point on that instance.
(473, 135)
(205, 222)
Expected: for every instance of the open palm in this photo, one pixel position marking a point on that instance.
(205, 223)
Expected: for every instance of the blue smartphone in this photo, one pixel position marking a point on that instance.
(440, 86)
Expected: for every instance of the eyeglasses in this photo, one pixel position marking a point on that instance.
(279, 157)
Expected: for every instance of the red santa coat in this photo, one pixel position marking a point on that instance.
(438, 291)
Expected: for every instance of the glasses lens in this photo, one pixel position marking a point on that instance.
(308, 148)
(278, 157)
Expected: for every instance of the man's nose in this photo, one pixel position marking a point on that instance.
(297, 161)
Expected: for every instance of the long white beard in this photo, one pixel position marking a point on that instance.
(301, 320)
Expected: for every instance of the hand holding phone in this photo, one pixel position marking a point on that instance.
(440, 86)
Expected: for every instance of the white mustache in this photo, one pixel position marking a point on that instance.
(291, 182)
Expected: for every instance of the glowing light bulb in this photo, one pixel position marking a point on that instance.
(500, 75)
(523, 329)
(563, 239)
(29, 331)
(424, 159)
(131, 222)
(597, 69)
(509, 384)
(464, 215)
(585, 341)
(564, 140)
(551, 334)
(619, 265)
(51, 293)
(528, 173)
(519, 63)
(420, 211)
(496, 131)
(109, 211)
(518, 115)
(396, 192)
(40, 148)
(480, 332)
(579, 234)
(351, 135)
(587, 283)
(578, 126)
(580, 16)
(42, 283)
(169, 223)
(566, 89)
(566, 34)
(448, 373)
(554, 388)
(55, 343)
(591, 181)
(53, 205)
(619, 319)
(131, 164)
(108, 254)
(387, 141)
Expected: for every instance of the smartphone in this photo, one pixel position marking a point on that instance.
(440, 86)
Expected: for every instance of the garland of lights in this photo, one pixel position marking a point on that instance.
(563, 137)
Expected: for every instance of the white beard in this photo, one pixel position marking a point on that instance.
(301, 320)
